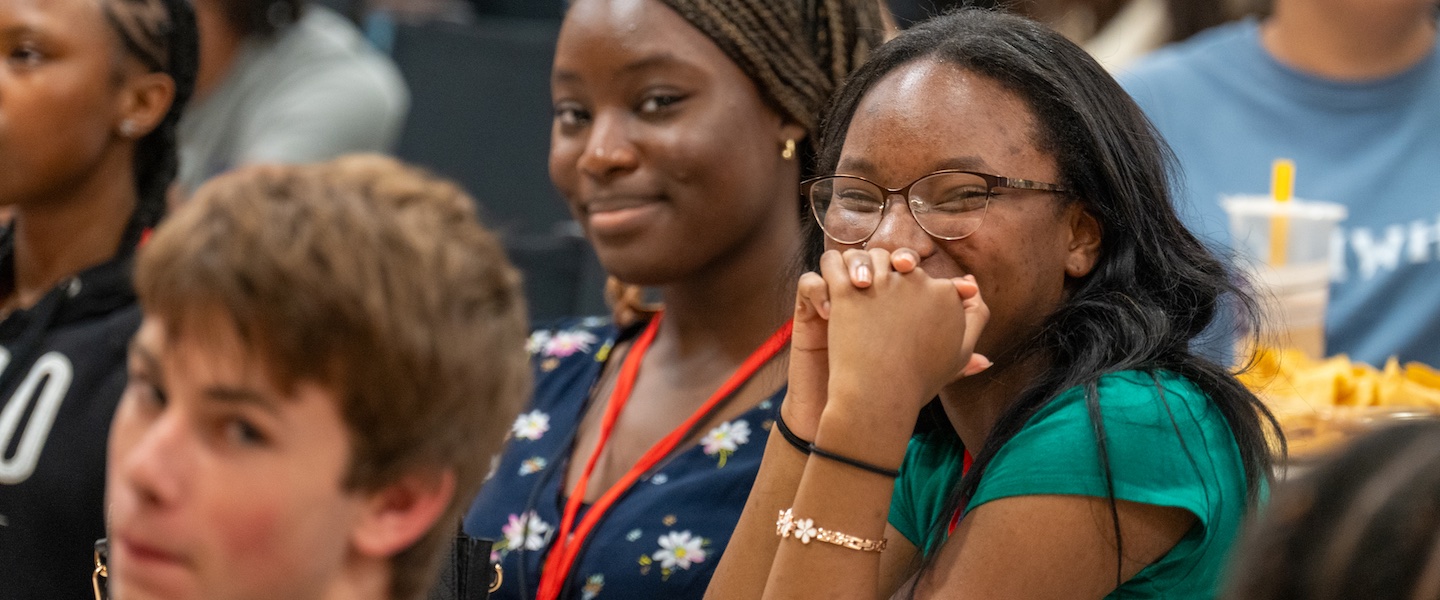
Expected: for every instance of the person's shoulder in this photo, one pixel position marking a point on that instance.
(321, 27)
(1135, 397)
(1123, 387)
(1213, 45)
(324, 40)
(1187, 70)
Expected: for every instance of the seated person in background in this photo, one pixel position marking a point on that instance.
(418, 11)
(285, 81)
(1115, 32)
(90, 92)
(995, 192)
(1365, 524)
(1348, 89)
(330, 355)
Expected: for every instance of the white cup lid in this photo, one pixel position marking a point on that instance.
(1258, 206)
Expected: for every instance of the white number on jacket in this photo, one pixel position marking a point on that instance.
(55, 370)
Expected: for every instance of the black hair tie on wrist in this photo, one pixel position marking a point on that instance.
(795, 440)
(862, 465)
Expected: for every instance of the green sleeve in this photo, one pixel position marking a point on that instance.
(1166, 445)
(932, 467)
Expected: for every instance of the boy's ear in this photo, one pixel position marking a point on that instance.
(396, 516)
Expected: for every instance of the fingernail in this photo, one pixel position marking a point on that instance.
(862, 274)
(971, 278)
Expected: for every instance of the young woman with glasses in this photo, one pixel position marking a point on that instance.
(1000, 238)
(682, 130)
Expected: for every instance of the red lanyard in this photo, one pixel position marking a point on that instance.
(964, 468)
(570, 538)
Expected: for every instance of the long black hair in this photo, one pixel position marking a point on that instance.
(162, 35)
(1155, 287)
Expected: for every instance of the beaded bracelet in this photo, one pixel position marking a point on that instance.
(805, 530)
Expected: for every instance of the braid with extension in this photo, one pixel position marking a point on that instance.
(797, 52)
(162, 35)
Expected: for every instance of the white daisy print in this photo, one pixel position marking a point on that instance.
(531, 465)
(537, 342)
(531, 425)
(679, 549)
(593, 585)
(566, 343)
(526, 531)
(725, 438)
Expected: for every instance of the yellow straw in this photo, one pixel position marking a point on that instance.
(1282, 187)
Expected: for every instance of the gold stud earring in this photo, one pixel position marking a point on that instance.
(789, 152)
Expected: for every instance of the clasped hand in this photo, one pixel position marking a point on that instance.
(874, 323)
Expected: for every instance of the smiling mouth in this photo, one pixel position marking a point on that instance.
(608, 205)
(618, 218)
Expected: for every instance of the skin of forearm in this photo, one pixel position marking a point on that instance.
(842, 498)
(744, 568)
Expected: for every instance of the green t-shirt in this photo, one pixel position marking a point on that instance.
(1183, 457)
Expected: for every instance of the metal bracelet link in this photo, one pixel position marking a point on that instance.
(804, 530)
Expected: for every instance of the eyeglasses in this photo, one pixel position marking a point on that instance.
(948, 205)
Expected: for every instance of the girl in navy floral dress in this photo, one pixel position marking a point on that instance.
(681, 133)
(666, 535)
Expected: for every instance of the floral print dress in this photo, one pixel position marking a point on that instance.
(663, 538)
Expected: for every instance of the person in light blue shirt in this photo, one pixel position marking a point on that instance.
(1350, 90)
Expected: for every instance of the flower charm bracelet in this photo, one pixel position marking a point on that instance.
(805, 530)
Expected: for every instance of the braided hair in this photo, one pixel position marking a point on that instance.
(162, 35)
(797, 52)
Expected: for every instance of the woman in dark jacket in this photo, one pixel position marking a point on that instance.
(91, 94)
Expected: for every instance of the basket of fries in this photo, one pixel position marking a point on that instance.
(1320, 404)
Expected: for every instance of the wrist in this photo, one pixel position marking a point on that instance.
(891, 403)
(803, 423)
(875, 437)
(802, 445)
